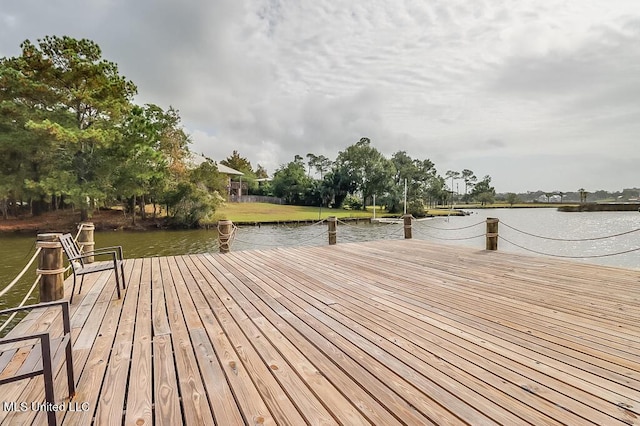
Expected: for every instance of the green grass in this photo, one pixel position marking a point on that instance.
(444, 211)
(264, 212)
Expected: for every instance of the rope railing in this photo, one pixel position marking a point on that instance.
(422, 224)
(570, 239)
(21, 274)
(35, 283)
(457, 239)
(421, 228)
(490, 234)
(391, 230)
(342, 222)
(283, 225)
(394, 231)
(319, 222)
(226, 238)
(79, 231)
(594, 256)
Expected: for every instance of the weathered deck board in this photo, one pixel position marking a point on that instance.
(386, 332)
(195, 406)
(139, 398)
(108, 396)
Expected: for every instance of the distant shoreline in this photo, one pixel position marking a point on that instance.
(115, 220)
(601, 207)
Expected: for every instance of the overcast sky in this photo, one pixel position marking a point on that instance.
(539, 94)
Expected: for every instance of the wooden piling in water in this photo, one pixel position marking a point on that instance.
(332, 223)
(85, 239)
(407, 226)
(50, 267)
(492, 233)
(225, 230)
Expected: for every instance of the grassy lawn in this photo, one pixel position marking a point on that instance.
(444, 211)
(264, 212)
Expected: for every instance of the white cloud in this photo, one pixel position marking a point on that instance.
(505, 87)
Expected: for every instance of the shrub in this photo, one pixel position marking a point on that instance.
(351, 202)
(190, 205)
(416, 208)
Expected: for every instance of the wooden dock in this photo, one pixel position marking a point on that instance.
(383, 332)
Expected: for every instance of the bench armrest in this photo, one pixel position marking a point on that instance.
(6, 340)
(98, 251)
(113, 254)
(64, 304)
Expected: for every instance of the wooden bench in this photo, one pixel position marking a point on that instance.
(81, 268)
(42, 357)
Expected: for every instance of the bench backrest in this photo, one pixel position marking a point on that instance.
(70, 248)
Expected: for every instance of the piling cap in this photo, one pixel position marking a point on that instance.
(49, 240)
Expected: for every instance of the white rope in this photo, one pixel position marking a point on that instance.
(16, 279)
(255, 229)
(594, 256)
(452, 229)
(314, 224)
(81, 247)
(570, 239)
(79, 231)
(13, 315)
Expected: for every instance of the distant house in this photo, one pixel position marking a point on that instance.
(234, 187)
(555, 198)
(234, 177)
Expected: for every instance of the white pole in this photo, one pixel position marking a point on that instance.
(405, 196)
(374, 206)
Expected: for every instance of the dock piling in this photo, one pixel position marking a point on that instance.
(492, 233)
(332, 223)
(225, 230)
(407, 226)
(50, 267)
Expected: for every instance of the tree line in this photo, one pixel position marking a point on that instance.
(70, 134)
(361, 172)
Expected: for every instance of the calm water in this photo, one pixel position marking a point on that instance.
(547, 222)
(15, 250)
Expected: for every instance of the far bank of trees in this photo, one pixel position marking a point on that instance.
(581, 195)
(361, 172)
